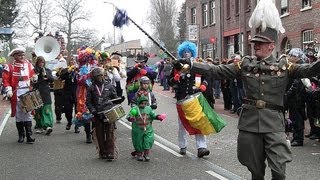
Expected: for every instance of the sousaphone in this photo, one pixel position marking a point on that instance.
(47, 47)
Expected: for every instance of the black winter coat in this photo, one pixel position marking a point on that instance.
(43, 85)
(97, 102)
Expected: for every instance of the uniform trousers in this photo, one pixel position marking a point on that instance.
(201, 141)
(254, 148)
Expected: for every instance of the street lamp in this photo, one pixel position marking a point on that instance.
(114, 29)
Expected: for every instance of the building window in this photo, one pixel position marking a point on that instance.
(193, 16)
(237, 6)
(284, 7)
(247, 4)
(212, 12)
(306, 3)
(228, 8)
(307, 37)
(205, 14)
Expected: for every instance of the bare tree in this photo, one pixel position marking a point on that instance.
(73, 14)
(182, 22)
(39, 15)
(162, 19)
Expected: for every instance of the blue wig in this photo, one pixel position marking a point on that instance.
(187, 46)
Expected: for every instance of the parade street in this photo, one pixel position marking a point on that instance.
(65, 155)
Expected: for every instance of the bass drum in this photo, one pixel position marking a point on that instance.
(197, 116)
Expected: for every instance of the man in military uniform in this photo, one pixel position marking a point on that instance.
(261, 125)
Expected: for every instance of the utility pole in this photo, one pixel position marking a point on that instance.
(114, 29)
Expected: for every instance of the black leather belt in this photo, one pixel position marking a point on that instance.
(260, 104)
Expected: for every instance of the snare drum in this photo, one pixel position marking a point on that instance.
(31, 100)
(114, 114)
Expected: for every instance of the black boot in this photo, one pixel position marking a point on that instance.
(20, 131)
(88, 133)
(27, 126)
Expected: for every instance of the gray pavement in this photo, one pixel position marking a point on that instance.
(65, 155)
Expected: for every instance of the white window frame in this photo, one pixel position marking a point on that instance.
(193, 15)
(306, 3)
(205, 14)
(284, 7)
(212, 12)
(307, 37)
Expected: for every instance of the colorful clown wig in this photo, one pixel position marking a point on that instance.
(185, 47)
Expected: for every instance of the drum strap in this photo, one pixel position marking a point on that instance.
(100, 92)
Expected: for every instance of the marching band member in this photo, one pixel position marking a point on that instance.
(17, 77)
(44, 115)
(68, 75)
(87, 62)
(188, 84)
(58, 85)
(115, 60)
(99, 94)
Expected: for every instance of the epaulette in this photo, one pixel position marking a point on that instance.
(245, 59)
(285, 58)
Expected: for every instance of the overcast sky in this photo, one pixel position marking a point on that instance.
(137, 10)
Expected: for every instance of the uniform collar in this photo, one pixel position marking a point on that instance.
(269, 60)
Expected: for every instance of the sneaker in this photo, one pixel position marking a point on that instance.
(39, 131)
(140, 158)
(183, 151)
(146, 157)
(203, 152)
(49, 131)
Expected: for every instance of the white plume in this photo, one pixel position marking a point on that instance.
(266, 15)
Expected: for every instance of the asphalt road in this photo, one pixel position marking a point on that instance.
(65, 155)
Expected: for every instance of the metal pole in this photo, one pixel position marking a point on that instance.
(114, 31)
(114, 28)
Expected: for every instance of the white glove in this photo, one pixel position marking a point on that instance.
(9, 92)
(34, 78)
(306, 82)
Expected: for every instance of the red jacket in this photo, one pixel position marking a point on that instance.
(10, 78)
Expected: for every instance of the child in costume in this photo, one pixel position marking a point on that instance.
(145, 90)
(141, 117)
(134, 74)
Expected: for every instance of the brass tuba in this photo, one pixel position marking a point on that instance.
(47, 47)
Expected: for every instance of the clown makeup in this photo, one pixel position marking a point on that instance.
(187, 54)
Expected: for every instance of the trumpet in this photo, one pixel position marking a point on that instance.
(44, 74)
(108, 68)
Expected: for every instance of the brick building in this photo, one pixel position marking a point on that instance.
(223, 25)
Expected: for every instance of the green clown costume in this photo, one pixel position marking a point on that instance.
(142, 130)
